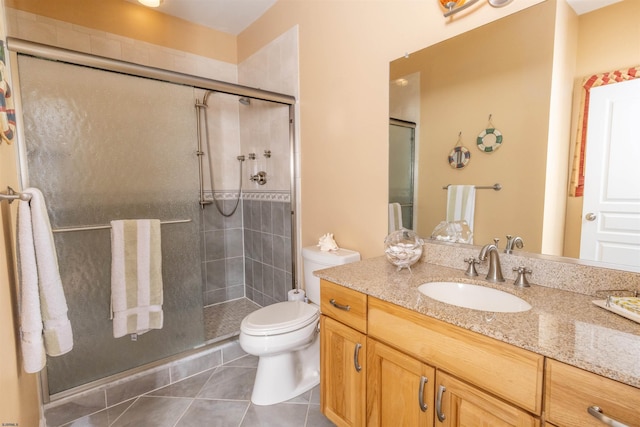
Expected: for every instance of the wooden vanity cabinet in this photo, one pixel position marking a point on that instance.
(459, 404)
(510, 373)
(399, 388)
(384, 365)
(343, 354)
(570, 391)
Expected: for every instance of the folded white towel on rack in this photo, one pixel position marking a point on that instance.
(395, 217)
(136, 276)
(461, 203)
(44, 325)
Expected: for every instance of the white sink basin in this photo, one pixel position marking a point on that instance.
(474, 296)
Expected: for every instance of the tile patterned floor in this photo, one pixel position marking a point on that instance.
(219, 397)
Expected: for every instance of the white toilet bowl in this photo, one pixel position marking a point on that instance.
(285, 335)
(285, 338)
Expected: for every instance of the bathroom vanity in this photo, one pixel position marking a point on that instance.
(392, 356)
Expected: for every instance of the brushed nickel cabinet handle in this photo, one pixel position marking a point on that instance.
(339, 306)
(590, 216)
(596, 412)
(441, 390)
(423, 406)
(356, 354)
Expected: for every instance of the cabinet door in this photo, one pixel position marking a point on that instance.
(462, 405)
(342, 373)
(399, 388)
(572, 396)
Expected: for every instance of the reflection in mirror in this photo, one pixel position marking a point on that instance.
(507, 70)
(401, 171)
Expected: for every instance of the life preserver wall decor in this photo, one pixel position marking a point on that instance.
(459, 157)
(489, 139)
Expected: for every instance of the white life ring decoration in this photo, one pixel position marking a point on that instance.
(489, 140)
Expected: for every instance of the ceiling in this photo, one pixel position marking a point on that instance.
(584, 6)
(228, 16)
(233, 16)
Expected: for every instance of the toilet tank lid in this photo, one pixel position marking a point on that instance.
(329, 258)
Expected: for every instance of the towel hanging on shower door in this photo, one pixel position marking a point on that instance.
(44, 323)
(136, 276)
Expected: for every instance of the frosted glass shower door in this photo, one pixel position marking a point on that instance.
(104, 146)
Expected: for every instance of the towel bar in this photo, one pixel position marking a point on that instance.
(496, 187)
(106, 227)
(12, 195)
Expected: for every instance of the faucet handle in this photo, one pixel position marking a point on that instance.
(521, 280)
(496, 240)
(471, 269)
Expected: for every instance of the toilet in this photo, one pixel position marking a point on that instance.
(285, 335)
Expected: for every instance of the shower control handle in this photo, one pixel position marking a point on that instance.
(260, 178)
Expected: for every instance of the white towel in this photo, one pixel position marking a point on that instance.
(395, 217)
(136, 276)
(44, 325)
(461, 203)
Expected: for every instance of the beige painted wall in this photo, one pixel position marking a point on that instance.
(136, 22)
(18, 390)
(608, 39)
(345, 50)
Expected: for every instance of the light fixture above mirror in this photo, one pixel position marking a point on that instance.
(455, 6)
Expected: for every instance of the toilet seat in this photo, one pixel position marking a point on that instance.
(279, 318)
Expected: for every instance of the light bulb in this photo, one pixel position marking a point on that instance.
(450, 4)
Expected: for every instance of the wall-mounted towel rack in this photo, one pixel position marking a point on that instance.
(106, 227)
(12, 195)
(496, 187)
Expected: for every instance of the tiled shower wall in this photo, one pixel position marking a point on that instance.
(249, 253)
(222, 253)
(267, 243)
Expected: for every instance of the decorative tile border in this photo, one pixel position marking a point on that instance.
(274, 196)
(268, 196)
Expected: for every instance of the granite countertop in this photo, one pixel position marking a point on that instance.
(565, 326)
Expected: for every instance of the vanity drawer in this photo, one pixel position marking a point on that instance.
(503, 370)
(570, 391)
(344, 305)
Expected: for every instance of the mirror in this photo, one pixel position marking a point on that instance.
(500, 76)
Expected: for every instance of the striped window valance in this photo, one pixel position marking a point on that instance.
(577, 171)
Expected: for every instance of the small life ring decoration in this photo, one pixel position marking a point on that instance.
(489, 140)
(459, 157)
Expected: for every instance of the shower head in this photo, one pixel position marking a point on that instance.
(244, 100)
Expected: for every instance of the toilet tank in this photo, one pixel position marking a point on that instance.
(314, 259)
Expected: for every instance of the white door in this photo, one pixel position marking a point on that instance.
(611, 210)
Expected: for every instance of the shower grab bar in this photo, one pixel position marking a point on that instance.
(496, 187)
(106, 227)
(12, 195)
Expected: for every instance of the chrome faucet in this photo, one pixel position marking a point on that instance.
(495, 270)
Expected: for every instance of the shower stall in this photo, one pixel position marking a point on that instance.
(107, 140)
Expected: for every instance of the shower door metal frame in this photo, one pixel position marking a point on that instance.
(17, 46)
